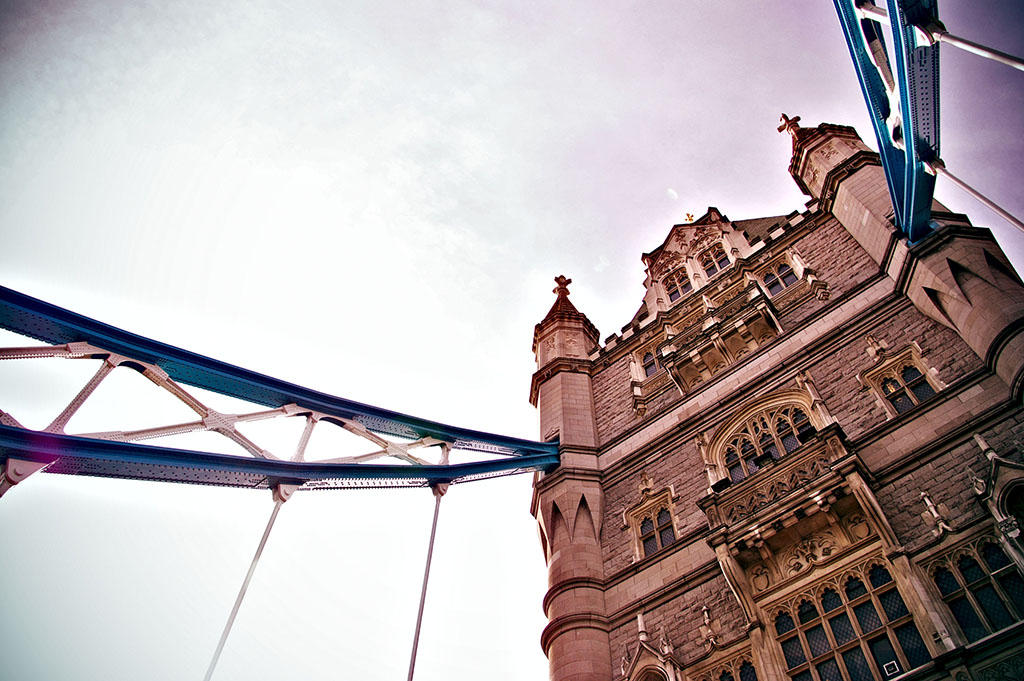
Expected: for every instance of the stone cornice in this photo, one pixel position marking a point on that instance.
(557, 366)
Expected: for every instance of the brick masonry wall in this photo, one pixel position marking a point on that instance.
(853, 406)
(837, 259)
(613, 399)
(681, 618)
(680, 467)
(946, 479)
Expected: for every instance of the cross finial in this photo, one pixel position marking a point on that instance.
(790, 125)
(563, 286)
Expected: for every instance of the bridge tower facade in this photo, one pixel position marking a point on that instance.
(801, 459)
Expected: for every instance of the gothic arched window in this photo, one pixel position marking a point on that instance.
(862, 631)
(779, 277)
(901, 381)
(765, 436)
(982, 588)
(713, 260)
(649, 364)
(656, 531)
(677, 284)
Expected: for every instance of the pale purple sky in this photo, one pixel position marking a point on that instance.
(371, 199)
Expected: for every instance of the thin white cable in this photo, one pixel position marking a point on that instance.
(423, 592)
(245, 586)
(939, 168)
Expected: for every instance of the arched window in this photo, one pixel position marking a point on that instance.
(765, 436)
(714, 260)
(656, 531)
(860, 633)
(649, 364)
(984, 595)
(677, 285)
(779, 277)
(901, 381)
(906, 387)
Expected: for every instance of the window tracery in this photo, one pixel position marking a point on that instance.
(981, 586)
(852, 627)
(901, 381)
(714, 260)
(652, 520)
(765, 436)
(677, 284)
(779, 277)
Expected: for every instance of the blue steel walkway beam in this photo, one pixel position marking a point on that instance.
(37, 319)
(74, 455)
(904, 110)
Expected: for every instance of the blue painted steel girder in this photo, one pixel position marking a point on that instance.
(87, 456)
(105, 458)
(908, 137)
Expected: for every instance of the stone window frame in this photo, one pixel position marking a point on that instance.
(677, 281)
(709, 258)
(740, 667)
(965, 598)
(815, 636)
(649, 507)
(640, 356)
(748, 416)
(887, 382)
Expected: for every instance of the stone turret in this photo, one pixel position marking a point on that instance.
(569, 502)
(957, 275)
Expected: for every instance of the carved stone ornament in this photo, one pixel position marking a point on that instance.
(814, 549)
(1011, 669)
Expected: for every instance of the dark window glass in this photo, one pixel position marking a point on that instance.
(893, 605)
(785, 432)
(854, 588)
(994, 557)
(650, 366)
(992, 606)
(772, 283)
(867, 618)
(747, 672)
(879, 576)
(806, 612)
(723, 259)
(673, 292)
(922, 390)
(794, 652)
(856, 665)
(830, 600)
(667, 536)
(900, 401)
(650, 545)
(913, 646)
(736, 473)
(968, 620)
(817, 641)
(829, 670)
(946, 582)
(910, 373)
(970, 569)
(784, 623)
(787, 275)
(686, 286)
(805, 675)
(1013, 586)
(725, 676)
(842, 629)
(646, 526)
(885, 657)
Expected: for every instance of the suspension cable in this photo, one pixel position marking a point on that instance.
(279, 499)
(438, 493)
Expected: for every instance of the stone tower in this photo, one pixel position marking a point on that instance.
(801, 457)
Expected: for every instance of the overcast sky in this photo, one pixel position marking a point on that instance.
(371, 199)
